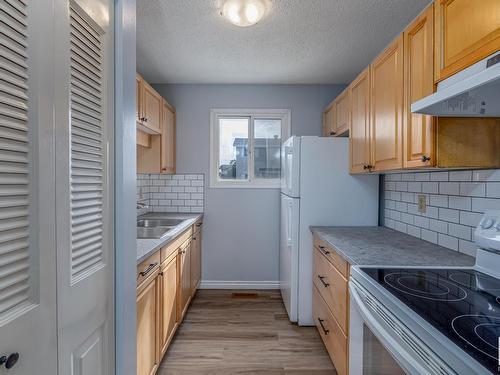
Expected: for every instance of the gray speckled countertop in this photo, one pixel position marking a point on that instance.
(370, 246)
(146, 247)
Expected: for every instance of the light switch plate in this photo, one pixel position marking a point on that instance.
(422, 204)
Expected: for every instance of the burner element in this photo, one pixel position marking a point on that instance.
(479, 331)
(425, 286)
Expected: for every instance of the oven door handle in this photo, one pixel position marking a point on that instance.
(405, 360)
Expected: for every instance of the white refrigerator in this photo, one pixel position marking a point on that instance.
(317, 189)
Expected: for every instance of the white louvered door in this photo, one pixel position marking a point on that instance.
(27, 199)
(84, 133)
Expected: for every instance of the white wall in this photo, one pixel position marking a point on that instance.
(241, 226)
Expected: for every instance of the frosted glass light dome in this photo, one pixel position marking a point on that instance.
(243, 12)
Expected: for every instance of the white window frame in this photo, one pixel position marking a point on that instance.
(283, 114)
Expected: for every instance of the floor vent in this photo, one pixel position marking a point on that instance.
(243, 295)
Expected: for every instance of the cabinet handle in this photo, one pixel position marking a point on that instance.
(194, 238)
(425, 158)
(148, 270)
(323, 250)
(321, 278)
(326, 331)
(199, 224)
(333, 133)
(164, 169)
(9, 361)
(145, 119)
(367, 166)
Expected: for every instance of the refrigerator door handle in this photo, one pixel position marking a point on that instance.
(289, 223)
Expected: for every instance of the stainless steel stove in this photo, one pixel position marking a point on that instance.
(429, 320)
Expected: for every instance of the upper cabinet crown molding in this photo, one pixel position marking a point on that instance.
(466, 31)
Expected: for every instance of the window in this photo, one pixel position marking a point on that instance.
(246, 147)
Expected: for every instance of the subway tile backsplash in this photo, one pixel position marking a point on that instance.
(455, 201)
(171, 193)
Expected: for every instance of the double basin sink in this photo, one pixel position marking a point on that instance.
(156, 228)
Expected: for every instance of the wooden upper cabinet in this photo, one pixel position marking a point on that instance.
(152, 104)
(466, 31)
(419, 131)
(168, 139)
(328, 120)
(168, 301)
(359, 132)
(341, 118)
(148, 323)
(386, 101)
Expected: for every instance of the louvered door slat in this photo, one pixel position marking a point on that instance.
(14, 157)
(86, 144)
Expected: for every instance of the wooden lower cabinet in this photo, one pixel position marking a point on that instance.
(166, 282)
(196, 261)
(148, 324)
(168, 297)
(331, 333)
(331, 302)
(332, 287)
(185, 277)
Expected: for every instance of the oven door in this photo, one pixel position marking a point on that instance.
(379, 343)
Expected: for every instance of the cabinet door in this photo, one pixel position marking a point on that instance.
(168, 301)
(466, 31)
(152, 104)
(341, 123)
(195, 261)
(148, 327)
(386, 102)
(168, 141)
(138, 97)
(328, 119)
(418, 130)
(185, 277)
(359, 133)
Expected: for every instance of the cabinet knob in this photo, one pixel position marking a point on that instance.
(9, 361)
(425, 158)
(333, 133)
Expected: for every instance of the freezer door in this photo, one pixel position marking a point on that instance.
(290, 167)
(289, 257)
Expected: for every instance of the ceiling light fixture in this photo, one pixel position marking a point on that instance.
(243, 12)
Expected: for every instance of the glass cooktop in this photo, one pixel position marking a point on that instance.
(464, 305)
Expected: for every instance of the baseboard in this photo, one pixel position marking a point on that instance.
(223, 284)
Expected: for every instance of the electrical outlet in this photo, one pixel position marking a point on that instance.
(422, 204)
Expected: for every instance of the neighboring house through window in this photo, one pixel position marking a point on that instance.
(246, 147)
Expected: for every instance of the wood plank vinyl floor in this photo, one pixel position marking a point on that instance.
(231, 332)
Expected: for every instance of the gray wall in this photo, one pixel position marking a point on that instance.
(241, 226)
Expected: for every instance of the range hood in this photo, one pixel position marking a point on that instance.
(473, 92)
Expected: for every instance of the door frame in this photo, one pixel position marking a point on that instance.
(125, 187)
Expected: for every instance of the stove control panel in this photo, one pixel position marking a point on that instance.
(487, 233)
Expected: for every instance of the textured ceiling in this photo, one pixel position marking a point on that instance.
(298, 41)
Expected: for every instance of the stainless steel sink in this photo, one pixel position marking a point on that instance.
(153, 223)
(155, 232)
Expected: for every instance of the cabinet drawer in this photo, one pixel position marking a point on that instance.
(329, 252)
(333, 337)
(148, 267)
(332, 286)
(168, 250)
